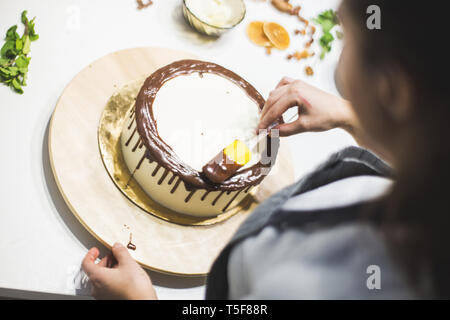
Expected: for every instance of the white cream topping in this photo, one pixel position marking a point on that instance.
(199, 116)
(219, 13)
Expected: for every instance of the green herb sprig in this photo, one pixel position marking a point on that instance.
(327, 20)
(14, 58)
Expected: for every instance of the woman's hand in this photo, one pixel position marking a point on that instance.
(117, 276)
(317, 110)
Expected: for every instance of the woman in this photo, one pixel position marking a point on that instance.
(353, 228)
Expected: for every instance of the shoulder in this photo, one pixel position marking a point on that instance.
(345, 192)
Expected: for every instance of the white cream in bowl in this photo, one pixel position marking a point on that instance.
(218, 13)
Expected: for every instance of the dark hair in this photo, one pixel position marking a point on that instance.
(413, 39)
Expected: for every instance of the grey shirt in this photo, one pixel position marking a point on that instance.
(320, 263)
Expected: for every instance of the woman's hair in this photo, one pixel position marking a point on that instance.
(413, 39)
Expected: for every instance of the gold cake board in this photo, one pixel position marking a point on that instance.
(96, 201)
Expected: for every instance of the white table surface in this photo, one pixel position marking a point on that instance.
(41, 242)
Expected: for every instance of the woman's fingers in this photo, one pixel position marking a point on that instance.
(285, 102)
(284, 81)
(273, 98)
(121, 254)
(108, 261)
(88, 263)
(126, 280)
(288, 129)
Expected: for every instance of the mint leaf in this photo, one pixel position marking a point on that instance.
(9, 49)
(16, 85)
(329, 15)
(13, 71)
(24, 17)
(26, 45)
(19, 44)
(326, 39)
(5, 72)
(11, 34)
(32, 32)
(24, 80)
(22, 62)
(327, 25)
(23, 71)
(3, 62)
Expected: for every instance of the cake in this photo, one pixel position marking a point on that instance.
(184, 114)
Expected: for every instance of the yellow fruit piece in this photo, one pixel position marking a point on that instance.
(277, 35)
(238, 152)
(256, 34)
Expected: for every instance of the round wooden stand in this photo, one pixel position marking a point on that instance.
(94, 198)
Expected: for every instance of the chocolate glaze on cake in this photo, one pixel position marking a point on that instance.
(159, 151)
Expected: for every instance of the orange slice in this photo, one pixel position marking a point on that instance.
(256, 34)
(277, 35)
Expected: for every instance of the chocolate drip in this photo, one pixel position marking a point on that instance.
(164, 155)
(248, 189)
(205, 195)
(190, 195)
(131, 123)
(142, 144)
(217, 198)
(156, 170)
(163, 177)
(176, 185)
(136, 145)
(171, 179)
(228, 192)
(232, 199)
(140, 161)
(131, 245)
(131, 137)
(132, 112)
(148, 156)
